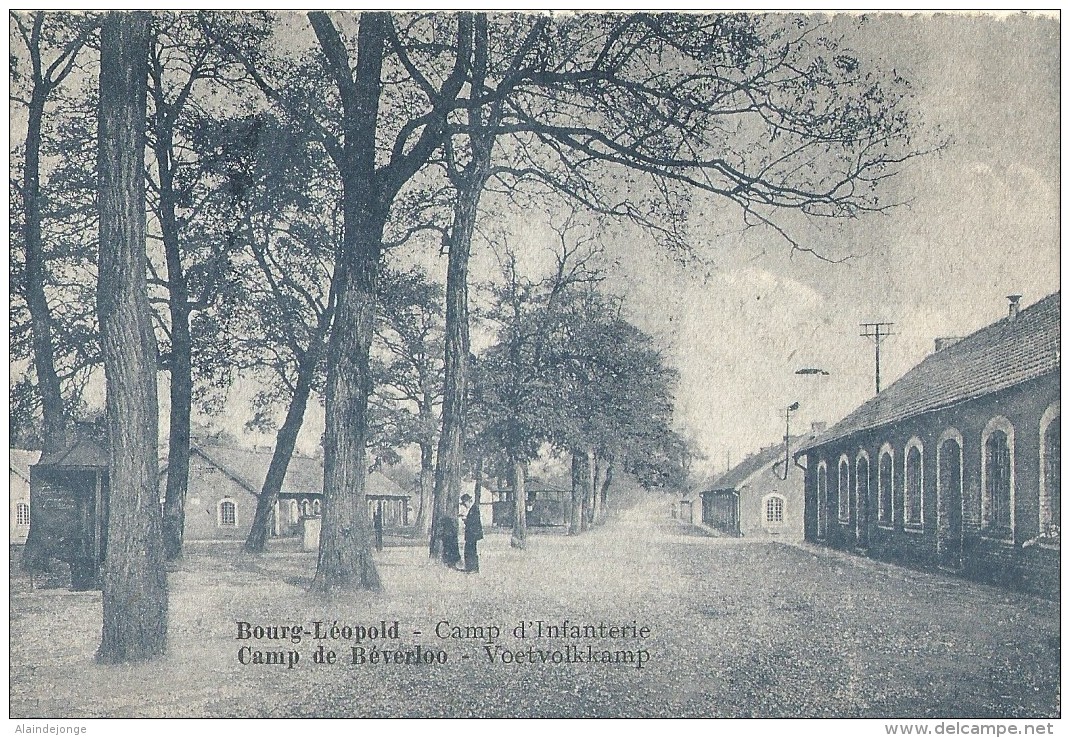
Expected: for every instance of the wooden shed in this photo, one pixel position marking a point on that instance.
(546, 504)
(69, 511)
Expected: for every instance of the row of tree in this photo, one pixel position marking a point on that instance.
(281, 172)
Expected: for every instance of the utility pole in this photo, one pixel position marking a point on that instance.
(877, 331)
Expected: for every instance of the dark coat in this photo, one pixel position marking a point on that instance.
(473, 525)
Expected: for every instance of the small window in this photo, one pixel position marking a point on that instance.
(998, 483)
(912, 487)
(316, 507)
(22, 515)
(822, 499)
(884, 489)
(774, 509)
(843, 492)
(305, 508)
(228, 514)
(1050, 499)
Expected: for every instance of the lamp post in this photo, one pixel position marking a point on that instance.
(805, 371)
(787, 435)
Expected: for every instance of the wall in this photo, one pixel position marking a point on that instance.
(1016, 562)
(19, 492)
(208, 486)
(752, 496)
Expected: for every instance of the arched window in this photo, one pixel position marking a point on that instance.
(913, 480)
(997, 471)
(861, 490)
(1050, 497)
(305, 508)
(316, 508)
(843, 490)
(885, 478)
(228, 514)
(822, 499)
(22, 515)
(774, 510)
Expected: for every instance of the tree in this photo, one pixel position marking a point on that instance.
(410, 333)
(135, 581)
(368, 191)
(184, 61)
(53, 44)
(468, 167)
(718, 104)
(522, 383)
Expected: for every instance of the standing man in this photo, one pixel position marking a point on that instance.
(473, 533)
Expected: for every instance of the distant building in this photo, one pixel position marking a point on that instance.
(957, 463)
(756, 498)
(546, 504)
(19, 463)
(225, 483)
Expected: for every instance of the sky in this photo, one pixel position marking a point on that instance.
(981, 221)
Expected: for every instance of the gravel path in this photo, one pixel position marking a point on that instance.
(736, 629)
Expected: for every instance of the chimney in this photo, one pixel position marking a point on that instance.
(944, 341)
(1012, 314)
(818, 427)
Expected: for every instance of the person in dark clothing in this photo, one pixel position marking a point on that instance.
(473, 533)
(451, 555)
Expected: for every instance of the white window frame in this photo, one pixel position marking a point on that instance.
(219, 512)
(861, 503)
(1051, 415)
(822, 505)
(19, 507)
(843, 506)
(951, 434)
(908, 526)
(998, 423)
(783, 510)
(890, 523)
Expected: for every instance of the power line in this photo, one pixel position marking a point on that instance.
(877, 331)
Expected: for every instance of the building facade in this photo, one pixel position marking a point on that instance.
(756, 498)
(225, 483)
(955, 465)
(19, 463)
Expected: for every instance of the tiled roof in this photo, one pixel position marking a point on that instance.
(994, 358)
(738, 475)
(20, 461)
(304, 475)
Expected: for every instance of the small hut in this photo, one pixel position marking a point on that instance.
(69, 511)
(546, 504)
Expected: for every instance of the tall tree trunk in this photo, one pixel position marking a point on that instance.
(44, 361)
(426, 484)
(586, 520)
(181, 359)
(596, 497)
(346, 538)
(135, 580)
(520, 507)
(285, 441)
(606, 481)
(579, 482)
(48, 385)
(469, 184)
(447, 492)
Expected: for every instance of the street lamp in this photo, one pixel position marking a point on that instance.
(805, 371)
(787, 435)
